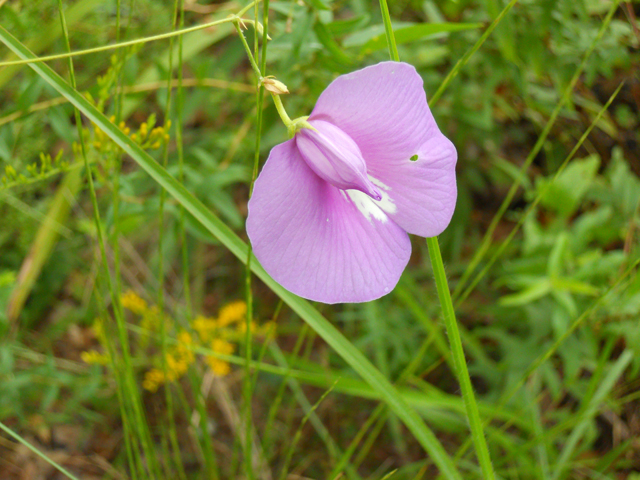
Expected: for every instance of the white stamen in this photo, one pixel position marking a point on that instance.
(366, 205)
(385, 203)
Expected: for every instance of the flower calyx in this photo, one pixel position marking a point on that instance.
(298, 124)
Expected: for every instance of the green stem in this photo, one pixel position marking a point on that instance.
(459, 360)
(388, 30)
(248, 387)
(139, 422)
(282, 112)
(448, 313)
(465, 58)
(254, 65)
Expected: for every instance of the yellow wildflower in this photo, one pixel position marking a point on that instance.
(153, 379)
(98, 329)
(205, 327)
(132, 302)
(151, 318)
(219, 367)
(222, 346)
(242, 327)
(232, 312)
(93, 357)
(183, 348)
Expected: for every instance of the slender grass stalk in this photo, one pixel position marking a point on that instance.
(129, 43)
(248, 384)
(465, 58)
(173, 434)
(448, 313)
(115, 241)
(130, 391)
(51, 462)
(388, 30)
(180, 150)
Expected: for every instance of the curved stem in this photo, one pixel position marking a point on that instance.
(281, 111)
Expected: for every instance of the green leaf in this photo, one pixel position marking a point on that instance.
(318, 4)
(415, 33)
(348, 25)
(567, 191)
(327, 40)
(350, 354)
(534, 292)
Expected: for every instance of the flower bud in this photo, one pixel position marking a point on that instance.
(335, 157)
(274, 86)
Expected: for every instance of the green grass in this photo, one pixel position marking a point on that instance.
(130, 138)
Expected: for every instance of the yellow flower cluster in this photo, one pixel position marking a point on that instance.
(47, 166)
(218, 334)
(93, 357)
(178, 359)
(148, 135)
(132, 302)
(217, 366)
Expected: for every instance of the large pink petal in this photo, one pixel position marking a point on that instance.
(318, 241)
(383, 108)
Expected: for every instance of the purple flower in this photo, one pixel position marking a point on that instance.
(332, 208)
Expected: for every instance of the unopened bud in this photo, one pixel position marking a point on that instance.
(274, 86)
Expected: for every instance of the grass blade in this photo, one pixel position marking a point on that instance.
(59, 467)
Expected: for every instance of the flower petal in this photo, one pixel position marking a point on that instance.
(383, 108)
(318, 241)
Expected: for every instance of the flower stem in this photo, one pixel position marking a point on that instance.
(448, 313)
(459, 361)
(254, 65)
(282, 112)
(388, 30)
(291, 128)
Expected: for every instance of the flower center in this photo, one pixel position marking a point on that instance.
(335, 157)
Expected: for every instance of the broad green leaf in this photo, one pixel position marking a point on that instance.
(361, 37)
(415, 33)
(348, 25)
(565, 193)
(528, 295)
(333, 48)
(318, 4)
(350, 354)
